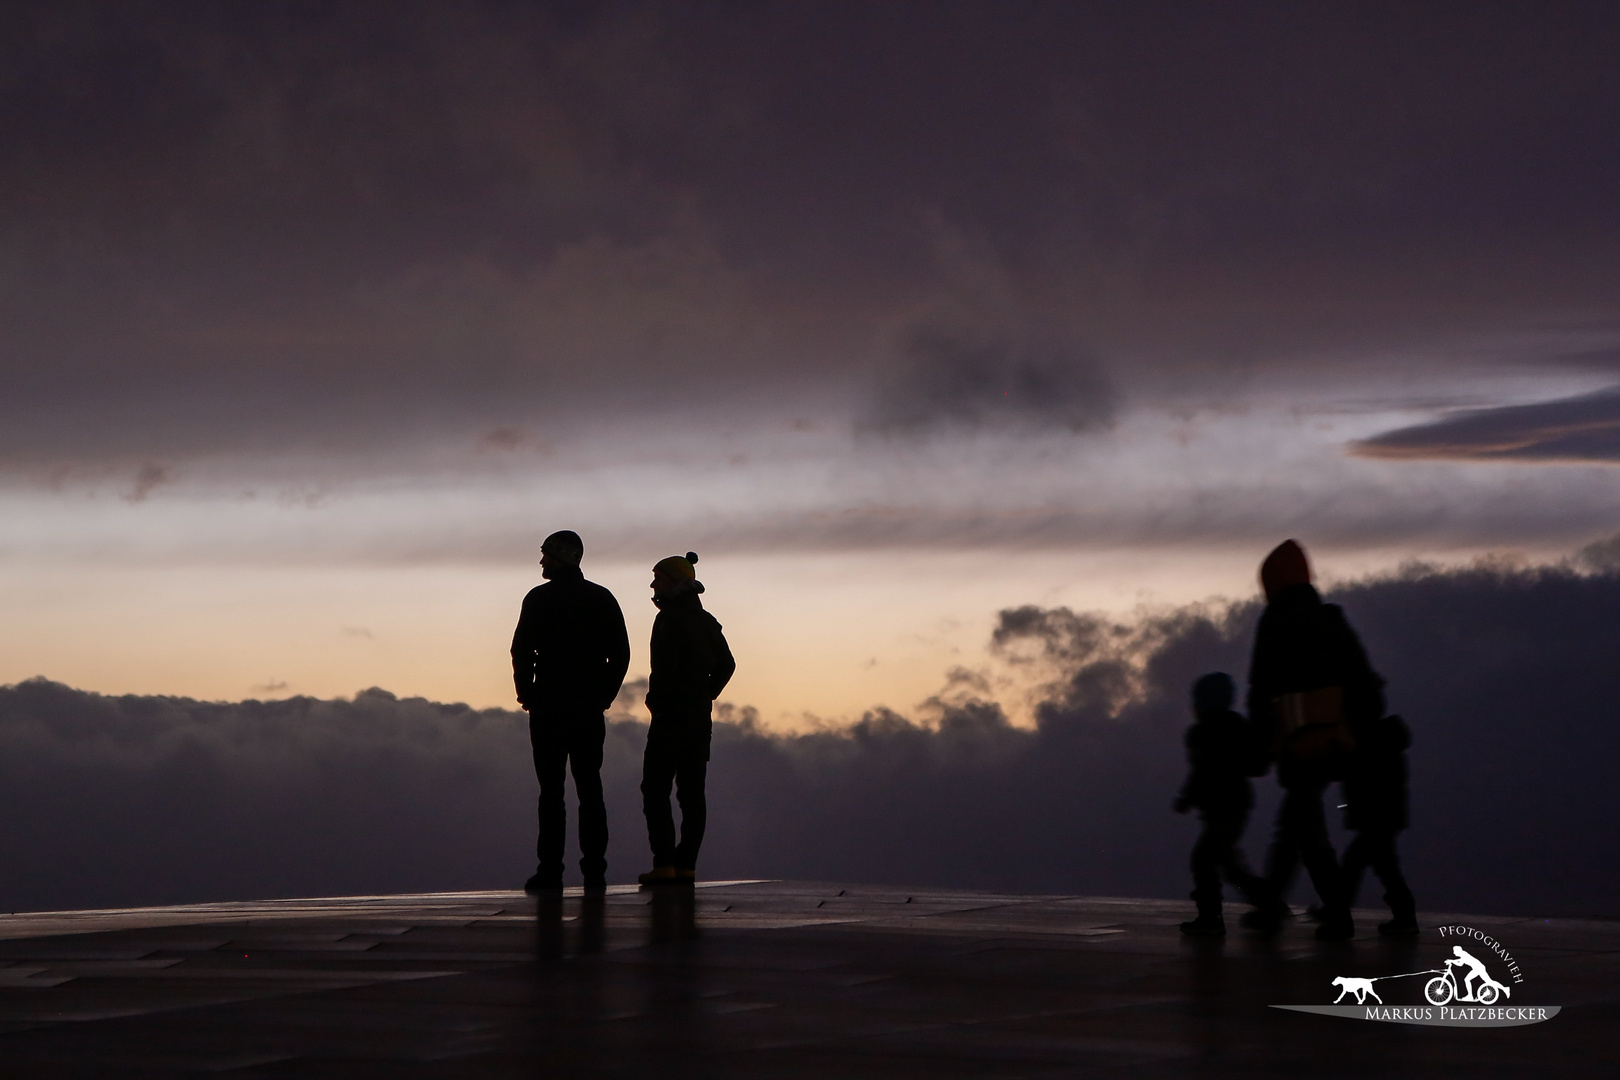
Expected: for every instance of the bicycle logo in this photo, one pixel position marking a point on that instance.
(1461, 992)
(1440, 990)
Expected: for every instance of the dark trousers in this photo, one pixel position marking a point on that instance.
(561, 740)
(1376, 848)
(1217, 853)
(677, 754)
(1302, 836)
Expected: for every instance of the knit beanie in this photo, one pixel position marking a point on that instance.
(678, 568)
(1285, 566)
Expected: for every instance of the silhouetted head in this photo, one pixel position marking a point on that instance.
(1213, 693)
(561, 549)
(1285, 566)
(675, 575)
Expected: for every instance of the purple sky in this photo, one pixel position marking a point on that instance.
(315, 318)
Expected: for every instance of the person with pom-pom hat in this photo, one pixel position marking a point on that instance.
(691, 664)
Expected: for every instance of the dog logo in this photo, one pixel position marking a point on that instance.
(1361, 988)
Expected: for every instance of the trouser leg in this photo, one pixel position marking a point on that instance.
(1308, 825)
(1208, 853)
(690, 779)
(1236, 867)
(1282, 857)
(585, 761)
(1356, 858)
(1386, 863)
(550, 760)
(657, 775)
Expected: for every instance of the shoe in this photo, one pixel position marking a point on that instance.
(542, 883)
(661, 875)
(596, 884)
(1336, 928)
(686, 873)
(1266, 921)
(1399, 927)
(1205, 926)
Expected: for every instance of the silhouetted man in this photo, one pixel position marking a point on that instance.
(569, 656)
(691, 664)
(1309, 684)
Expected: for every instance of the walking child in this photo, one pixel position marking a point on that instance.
(1220, 752)
(1375, 798)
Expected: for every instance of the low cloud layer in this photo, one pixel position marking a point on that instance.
(1506, 676)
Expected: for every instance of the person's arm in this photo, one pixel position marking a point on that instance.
(523, 655)
(1183, 801)
(724, 665)
(1363, 687)
(1262, 685)
(617, 647)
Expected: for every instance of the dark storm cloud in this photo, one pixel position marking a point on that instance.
(974, 378)
(1582, 428)
(1506, 677)
(284, 225)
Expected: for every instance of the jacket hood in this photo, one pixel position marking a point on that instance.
(1285, 566)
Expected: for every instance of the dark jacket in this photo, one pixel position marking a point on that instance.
(570, 650)
(1303, 644)
(1375, 782)
(1219, 751)
(691, 662)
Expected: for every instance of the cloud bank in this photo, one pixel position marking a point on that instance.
(1505, 674)
(1585, 428)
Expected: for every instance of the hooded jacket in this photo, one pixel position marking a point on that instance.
(570, 650)
(1219, 753)
(1303, 644)
(691, 661)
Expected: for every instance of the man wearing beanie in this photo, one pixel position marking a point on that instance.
(1309, 684)
(691, 664)
(569, 656)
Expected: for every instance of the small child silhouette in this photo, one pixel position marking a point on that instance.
(1375, 796)
(1220, 752)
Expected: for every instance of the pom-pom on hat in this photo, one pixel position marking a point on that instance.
(1285, 566)
(677, 567)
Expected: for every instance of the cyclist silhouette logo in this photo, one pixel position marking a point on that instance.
(1440, 990)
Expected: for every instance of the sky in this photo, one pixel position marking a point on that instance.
(315, 319)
